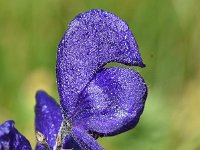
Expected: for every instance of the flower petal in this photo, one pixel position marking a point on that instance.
(112, 102)
(40, 147)
(70, 143)
(48, 117)
(92, 40)
(84, 140)
(10, 138)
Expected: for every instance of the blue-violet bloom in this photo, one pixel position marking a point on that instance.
(94, 101)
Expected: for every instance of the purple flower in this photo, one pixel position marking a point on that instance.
(95, 101)
(11, 139)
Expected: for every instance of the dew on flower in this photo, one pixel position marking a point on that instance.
(95, 101)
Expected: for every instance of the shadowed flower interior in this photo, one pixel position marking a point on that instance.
(94, 101)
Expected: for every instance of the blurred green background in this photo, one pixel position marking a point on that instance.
(168, 34)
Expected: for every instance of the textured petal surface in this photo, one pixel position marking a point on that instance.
(112, 102)
(11, 139)
(93, 39)
(40, 147)
(70, 143)
(48, 117)
(85, 141)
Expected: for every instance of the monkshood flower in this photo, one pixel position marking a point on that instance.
(11, 139)
(94, 101)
